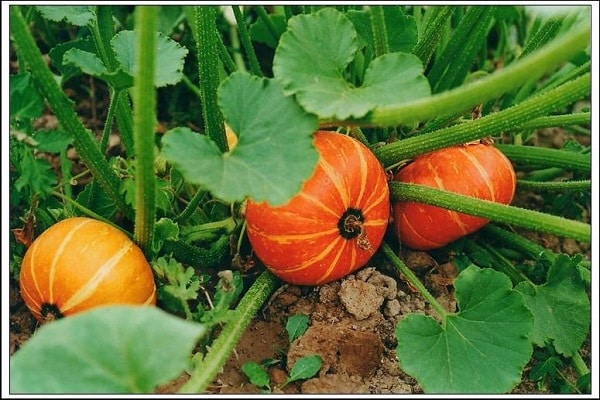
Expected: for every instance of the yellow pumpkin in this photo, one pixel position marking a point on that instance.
(80, 263)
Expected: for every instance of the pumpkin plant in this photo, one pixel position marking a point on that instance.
(476, 169)
(401, 80)
(81, 263)
(334, 224)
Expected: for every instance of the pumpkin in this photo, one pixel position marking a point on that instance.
(80, 263)
(477, 170)
(333, 225)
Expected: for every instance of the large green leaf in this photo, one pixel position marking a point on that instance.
(312, 58)
(170, 57)
(111, 349)
(274, 154)
(481, 349)
(561, 307)
(76, 15)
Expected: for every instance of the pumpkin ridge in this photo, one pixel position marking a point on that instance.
(371, 204)
(333, 264)
(33, 277)
(291, 237)
(318, 203)
(33, 300)
(482, 171)
(316, 258)
(417, 234)
(362, 170)
(59, 251)
(150, 300)
(88, 289)
(339, 186)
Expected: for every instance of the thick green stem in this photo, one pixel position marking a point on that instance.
(379, 30)
(486, 126)
(550, 121)
(208, 230)
(414, 281)
(490, 210)
(144, 117)
(247, 41)
(63, 109)
(264, 17)
(220, 350)
(547, 157)
(102, 33)
(432, 32)
(558, 186)
(208, 57)
(453, 65)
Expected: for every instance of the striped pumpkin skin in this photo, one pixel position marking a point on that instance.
(476, 170)
(80, 263)
(301, 241)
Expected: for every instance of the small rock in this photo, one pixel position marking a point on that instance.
(360, 298)
(386, 285)
(392, 308)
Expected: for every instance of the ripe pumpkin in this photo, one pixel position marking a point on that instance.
(477, 170)
(333, 225)
(80, 263)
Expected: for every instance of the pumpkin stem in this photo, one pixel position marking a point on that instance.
(351, 226)
(50, 312)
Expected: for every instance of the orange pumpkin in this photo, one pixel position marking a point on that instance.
(476, 170)
(333, 225)
(80, 263)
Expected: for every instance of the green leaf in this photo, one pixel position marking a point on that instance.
(274, 153)
(296, 325)
(25, 100)
(260, 33)
(57, 53)
(256, 374)
(76, 15)
(36, 174)
(93, 197)
(110, 349)
(305, 368)
(52, 141)
(164, 229)
(91, 64)
(561, 307)
(481, 349)
(313, 69)
(170, 57)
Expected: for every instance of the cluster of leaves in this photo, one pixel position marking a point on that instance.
(403, 79)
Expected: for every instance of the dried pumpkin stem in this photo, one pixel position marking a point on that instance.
(353, 224)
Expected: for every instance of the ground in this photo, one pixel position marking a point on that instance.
(351, 327)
